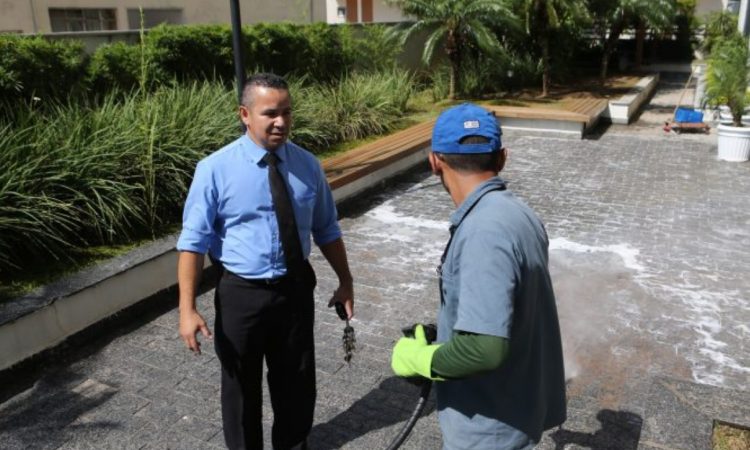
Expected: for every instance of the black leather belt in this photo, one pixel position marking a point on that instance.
(258, 281)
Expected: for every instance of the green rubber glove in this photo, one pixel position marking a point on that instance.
(413, 356)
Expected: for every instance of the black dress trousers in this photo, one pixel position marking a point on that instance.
(257, 320)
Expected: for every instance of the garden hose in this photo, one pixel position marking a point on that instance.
(430, 332)
(406, 429)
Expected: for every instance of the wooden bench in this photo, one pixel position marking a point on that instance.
(350, 166)
(590, 107)
(574, 116)
(525, 112)
(541, 119)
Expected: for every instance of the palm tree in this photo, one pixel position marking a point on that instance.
(728, 75)
(544, 16)
(454, 25)
(614, 16)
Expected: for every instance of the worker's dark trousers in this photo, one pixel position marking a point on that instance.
(256, 320)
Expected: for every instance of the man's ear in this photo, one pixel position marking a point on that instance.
(245, 115)
(435, 163)
(502, 158)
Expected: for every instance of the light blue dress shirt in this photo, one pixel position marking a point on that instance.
(229, 211)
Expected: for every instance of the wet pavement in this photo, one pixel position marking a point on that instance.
(649, 249)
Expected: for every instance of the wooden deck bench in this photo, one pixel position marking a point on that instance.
(525, 112)
(351, 166)
(590, 107)
(575, 116)
(541, 119)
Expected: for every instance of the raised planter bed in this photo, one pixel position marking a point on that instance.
(622, 110)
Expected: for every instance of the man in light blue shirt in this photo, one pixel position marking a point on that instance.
(498, 364)
(238, 214)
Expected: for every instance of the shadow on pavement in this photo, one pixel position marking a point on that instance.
(619, 430)
(46, 419)
(92, 339)
(390, 403)
(361, 203)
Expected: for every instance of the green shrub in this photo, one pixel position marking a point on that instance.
(728, 74)
(35, 67)
(280, 48)
(59, 70)
(327, 55)
(367, 48)
(719, 26)
(193, 52)
(115, 66)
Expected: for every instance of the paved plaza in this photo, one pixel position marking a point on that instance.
(649, 252)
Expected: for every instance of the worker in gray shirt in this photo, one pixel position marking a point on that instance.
(497, 362)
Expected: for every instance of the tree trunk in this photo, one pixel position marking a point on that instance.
(452, 82)
(640, 37)
(610, 46)
(454, 56)
(545, 65)
(603, 68)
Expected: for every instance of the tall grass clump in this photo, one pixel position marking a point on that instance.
(357, 106)
(118, 168)
(78, 175)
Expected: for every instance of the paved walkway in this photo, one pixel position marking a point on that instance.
(649, 255)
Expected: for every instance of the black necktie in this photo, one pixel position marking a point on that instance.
(285, 217)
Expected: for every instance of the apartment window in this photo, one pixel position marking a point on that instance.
(153, 17)
(89, 19)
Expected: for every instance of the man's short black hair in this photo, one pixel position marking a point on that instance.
(263, 79)
(472, 162)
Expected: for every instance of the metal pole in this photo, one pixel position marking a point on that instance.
(239, 66)
(742, 21)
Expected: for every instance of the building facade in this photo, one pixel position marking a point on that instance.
(54, 16)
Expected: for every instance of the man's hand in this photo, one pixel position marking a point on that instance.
(413, 356)
(344, 294)
(191, 323)
(189, 268)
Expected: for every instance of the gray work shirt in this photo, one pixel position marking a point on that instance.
(495, 281)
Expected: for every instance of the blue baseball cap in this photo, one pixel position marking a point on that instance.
(462, 121)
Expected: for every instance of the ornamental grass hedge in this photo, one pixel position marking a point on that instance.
(118, 169)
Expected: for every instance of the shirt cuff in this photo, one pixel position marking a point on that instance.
(327, 237)
(193, 241)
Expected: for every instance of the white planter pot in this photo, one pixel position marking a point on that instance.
(734, 143)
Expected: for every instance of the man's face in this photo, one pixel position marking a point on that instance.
(269, 117)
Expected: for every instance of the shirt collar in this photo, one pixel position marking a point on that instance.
(255, 153)
(468, 203)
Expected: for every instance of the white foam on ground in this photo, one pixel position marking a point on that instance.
(628, 254)
(386, 213)
(704, 311)
(416, 245)
(701, 310)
